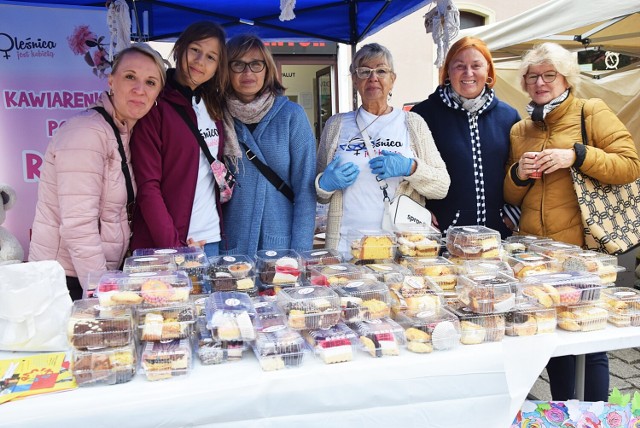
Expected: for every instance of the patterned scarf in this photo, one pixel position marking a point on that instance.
(539, 112)
(252, 112)
(473, 107)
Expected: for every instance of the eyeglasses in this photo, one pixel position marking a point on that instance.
(365, 72)
(547, 77)
(254, 66)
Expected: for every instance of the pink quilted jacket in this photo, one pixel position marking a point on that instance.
(81, 218)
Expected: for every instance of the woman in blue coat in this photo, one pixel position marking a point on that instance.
(277, 132)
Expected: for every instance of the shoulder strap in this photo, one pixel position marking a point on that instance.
(123, 157)
(583, 128)
(268, 173)
(194, 129)
(371, 152)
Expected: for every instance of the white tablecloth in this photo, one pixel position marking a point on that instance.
(476, 385)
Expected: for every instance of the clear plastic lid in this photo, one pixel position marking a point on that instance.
(232, 273)
(364, 299)
(381, 337)
(310, 307)
(388, 273)
(527, 319)
(91, 326)
(321, 257)
(472, 267)
(520, 243)
(623, 304)
(471, 242)
(582, 318)
(372, 245)
(165, 360)
(441, 270)
(149, 263)
(334, 275)
(229, 301)
(231, 325)
(279, 349)
(279, 267)
(487, 293)
(478, 328)
(416, 294)
(166, 323)
(334, 344)
(418, 240)
(426, 331)
(107, 366)
(148, 288)
(604, 265)
(185, 258)
(560, 289)
(554, 249)
(93, 280)
(530, 263)
(268, 313)
(214, 351)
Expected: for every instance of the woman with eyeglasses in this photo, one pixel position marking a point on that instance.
(178, 196)
(470, 126)
(273, 205)
(404, 154)
(543, 149)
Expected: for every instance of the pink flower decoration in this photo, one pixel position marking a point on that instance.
(99, 57)
(614, 420)
(634, 423)
(554, 415)
(589, 420)
(77, 41)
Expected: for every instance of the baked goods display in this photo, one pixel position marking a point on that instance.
(371, 246)
(333, 345)
(603, 265)
(487, 293)
(143, 288)
(165, 323)
(417, 241)
(582, 318)
(379, 338)
(364, 299)
(93, 327)
(623, 304)
(108, 366)
(230, 316)
(279, 348)
(558, 251)
(165, 360)
(426, 331)
(391, 274)
(309, 307)
(442, 271)
(472, 267)
(149, 263)
(416, 294)
(319, 257)
(191, 260)
(477, 328)
(472, 242)
(334, 275)
(528, 319)
(520, 243)
(529, 263)
(562, 289)
(279, 269)
(232, 273)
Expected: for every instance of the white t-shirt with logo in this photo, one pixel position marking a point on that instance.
(362, 201)
(205, 222)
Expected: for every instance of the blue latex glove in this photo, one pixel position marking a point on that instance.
(337, 177)
(390, 164)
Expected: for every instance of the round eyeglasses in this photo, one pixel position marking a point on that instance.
(254, 66)
(365, 72)
(547, 77)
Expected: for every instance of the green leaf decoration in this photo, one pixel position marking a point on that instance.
(635, 404)
(616, 397)
(543, 406)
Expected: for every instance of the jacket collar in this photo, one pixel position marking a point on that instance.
(172, 82)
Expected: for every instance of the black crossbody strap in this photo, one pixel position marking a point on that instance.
(196, 132)
(269, 174)
(123, 157)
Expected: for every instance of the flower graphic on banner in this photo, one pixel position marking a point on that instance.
(85, 42)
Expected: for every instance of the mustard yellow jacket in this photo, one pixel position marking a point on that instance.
(549, 205)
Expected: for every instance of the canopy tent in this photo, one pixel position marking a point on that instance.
(605, 25)
(342, 21)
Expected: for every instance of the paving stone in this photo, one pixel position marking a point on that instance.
(635, 381)
(540, 390)
(629, 356)
(621, 384)
(622, 370)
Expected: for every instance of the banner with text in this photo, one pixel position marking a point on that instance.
(48, 73)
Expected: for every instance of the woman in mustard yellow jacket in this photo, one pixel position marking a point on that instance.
(543, 149)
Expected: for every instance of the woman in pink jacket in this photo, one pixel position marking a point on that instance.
(86, 184)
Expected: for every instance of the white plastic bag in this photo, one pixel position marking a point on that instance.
(34, 307)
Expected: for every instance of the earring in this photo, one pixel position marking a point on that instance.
(447, 82)
(390, 94)
(489, 80)
(156, 103)
(110, 92)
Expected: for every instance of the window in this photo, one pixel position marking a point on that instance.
(470, 20)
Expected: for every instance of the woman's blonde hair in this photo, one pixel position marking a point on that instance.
(553, 54)
(146, 50)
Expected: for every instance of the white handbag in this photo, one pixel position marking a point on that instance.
(400, 210)
(34, 307)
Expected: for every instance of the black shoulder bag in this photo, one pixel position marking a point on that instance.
(268, 173)
(123, 157)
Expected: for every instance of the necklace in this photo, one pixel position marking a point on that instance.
(373, 121)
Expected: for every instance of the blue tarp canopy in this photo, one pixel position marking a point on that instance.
(342, 21)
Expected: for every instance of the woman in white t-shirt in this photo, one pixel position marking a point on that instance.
(403, 153)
